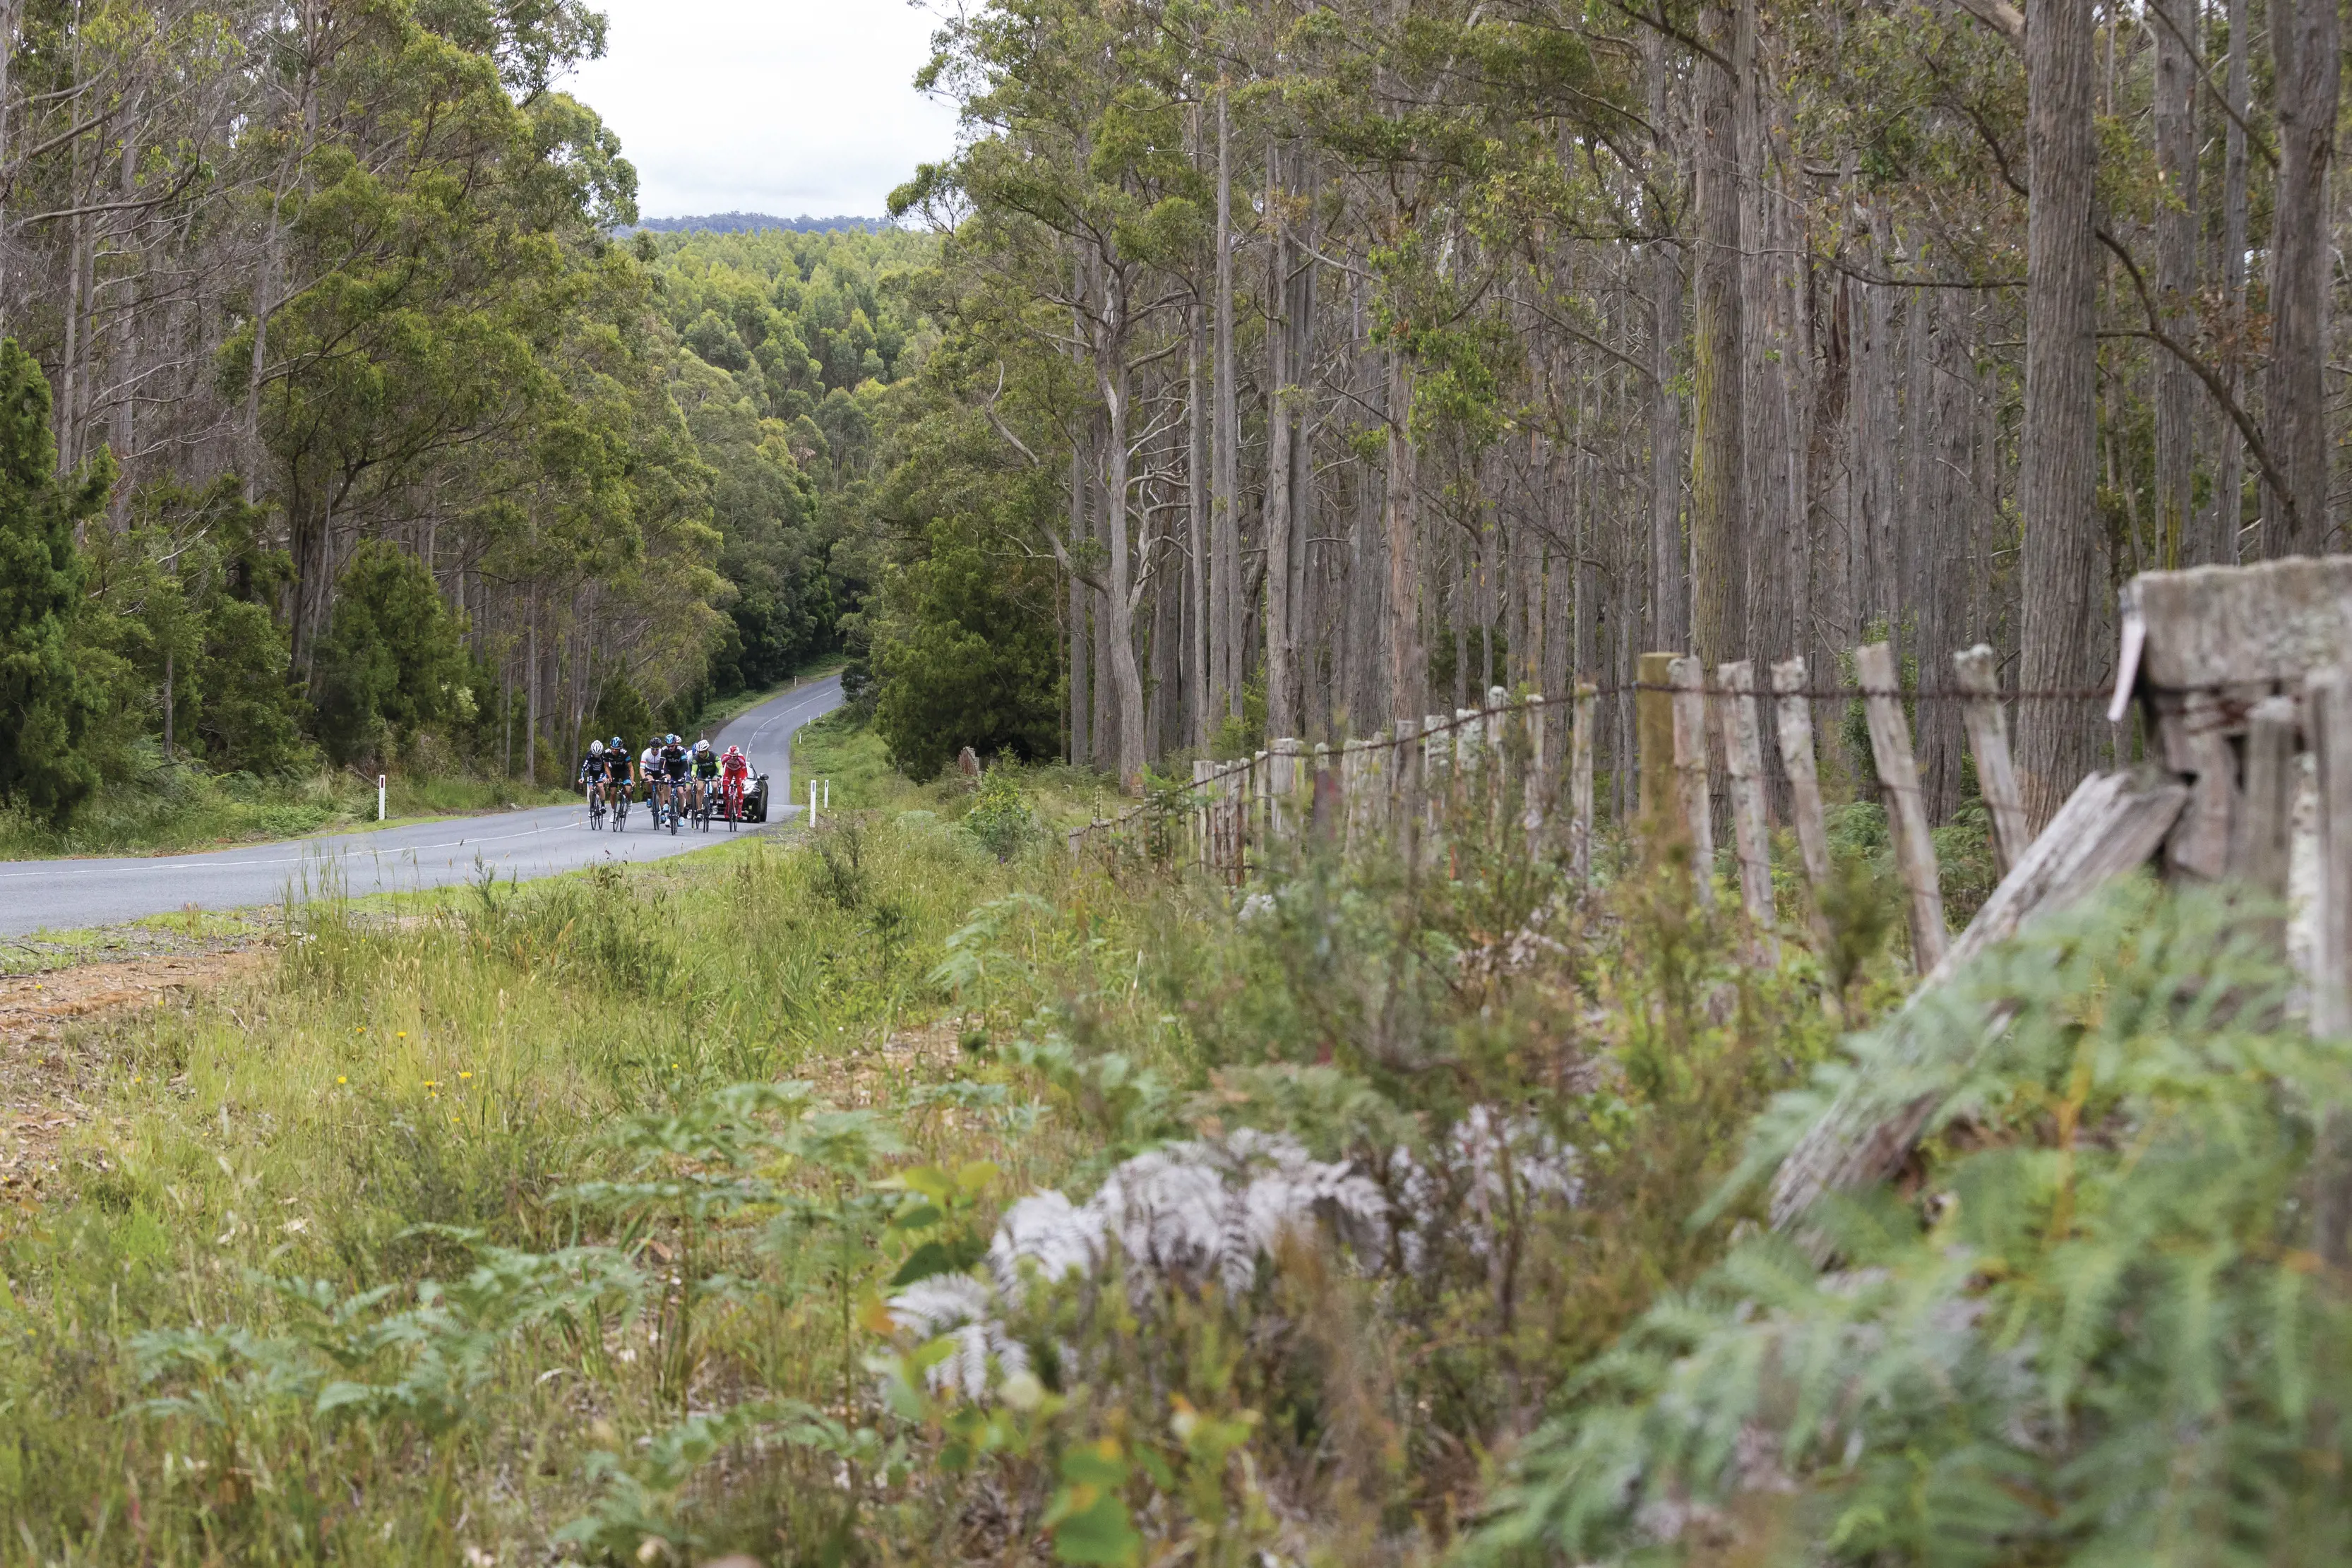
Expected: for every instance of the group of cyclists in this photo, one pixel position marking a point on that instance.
(680, 781)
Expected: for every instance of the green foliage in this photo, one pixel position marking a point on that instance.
(46, 700)
(963, 660)
(391, 663)
(2092, 1334)
(999, 816)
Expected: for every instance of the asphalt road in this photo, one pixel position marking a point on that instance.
(67, 895)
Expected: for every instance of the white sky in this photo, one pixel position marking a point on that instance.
(786, 107)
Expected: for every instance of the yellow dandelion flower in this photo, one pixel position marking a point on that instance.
(433, 1084)
(465, 1075)
(400, 1034)
(342, 1080)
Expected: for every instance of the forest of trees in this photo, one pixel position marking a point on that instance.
(1334, 360)
(352, 422)
(1255, 369)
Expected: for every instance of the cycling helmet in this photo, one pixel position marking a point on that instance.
(596, 748)
(701, 745)
(617, 745)
(671, 739)
(734, 751)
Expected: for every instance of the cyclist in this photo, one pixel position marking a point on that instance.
(649, 775)
(735, 769)
(616, 779)
(675, 760)
(706, 777)
(592, 781)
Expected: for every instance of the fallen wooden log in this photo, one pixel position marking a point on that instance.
(2112, 823)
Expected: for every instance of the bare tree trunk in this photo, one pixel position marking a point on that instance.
(2176, 277)
(1201, 710)
(1281, 701)
(1408, 671)
(1082, 751)
(1669, 556)
(2306, 54)
(1225, 583)
(1718, 454)
(2056, 474)
(2230, 486)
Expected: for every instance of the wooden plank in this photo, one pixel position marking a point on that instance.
(1654, 745)
(1989, 740)
(2271, 623)
(1539, 799)
(2194, 744)
(2327, 712)
(1906, 813)
(1579, 785)
(1743, 752)
(1689, 681)
(1795, 713)
(2259, 849)
(2111, 825)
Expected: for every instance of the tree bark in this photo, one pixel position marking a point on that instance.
(1281, 678)
(1669, 556)
(2308, 64)
(1228, 608)
(1718, 461)
(2176, 280)
(2062, 539)
(2229, 490)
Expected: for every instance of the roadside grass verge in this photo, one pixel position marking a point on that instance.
(173, 809)
(562, 1223)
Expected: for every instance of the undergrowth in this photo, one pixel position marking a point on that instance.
(914, 1195)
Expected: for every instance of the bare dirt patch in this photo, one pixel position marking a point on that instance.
(47, 1077)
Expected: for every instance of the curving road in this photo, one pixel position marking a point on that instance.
(67, 895)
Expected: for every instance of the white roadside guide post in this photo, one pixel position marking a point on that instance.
(379, 796)
(828, 794)
(812, 821)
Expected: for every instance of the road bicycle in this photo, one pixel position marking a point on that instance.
(620, 805)
(731, 800)
(703, 805)
(596, 808)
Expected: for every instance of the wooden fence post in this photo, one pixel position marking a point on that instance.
(1202, 769)
(1989, 738)
(2327, 724)
(2259, 852)
(1689, 679)
(1796, 727)
(1579, 785)
(1743, 751)
(1906, 813)
(1404, 784)
(1654, 739)
(1540, 801)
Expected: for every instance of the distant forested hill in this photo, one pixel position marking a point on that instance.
(753, 222)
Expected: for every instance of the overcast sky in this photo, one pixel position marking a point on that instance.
(767, 106)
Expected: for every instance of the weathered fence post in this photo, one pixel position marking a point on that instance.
(1743, 751)
(1203, 769)
(1282, 795)
(1327, 803)
(1989, 738)
(1580, 786)
(1795, 714)
(2260, 853)
(2327, 727)
(1654, 739)
(1906, 813)
(1404, 784)
(1689, 679)
(1541, 801)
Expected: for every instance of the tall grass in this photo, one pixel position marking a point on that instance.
(504, 1231)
